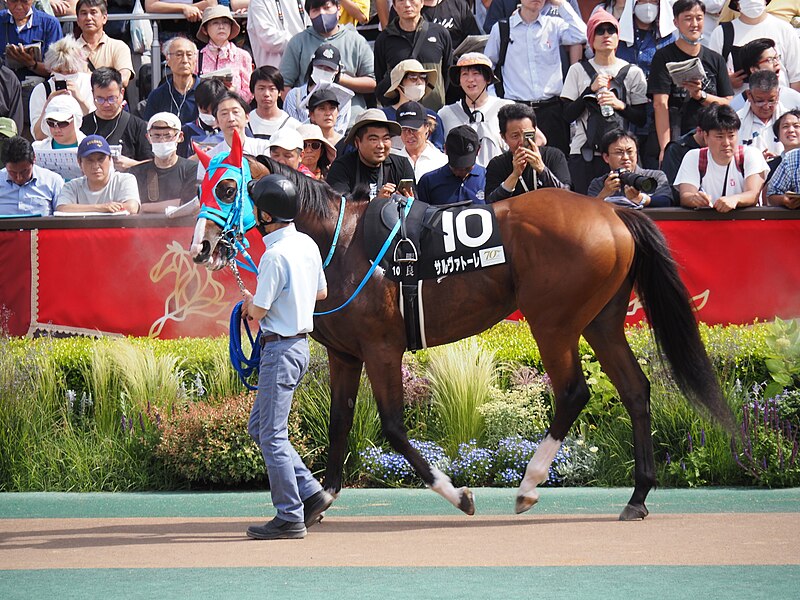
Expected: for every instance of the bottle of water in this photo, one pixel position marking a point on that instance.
(606, 109)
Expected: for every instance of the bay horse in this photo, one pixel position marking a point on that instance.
(572, 263)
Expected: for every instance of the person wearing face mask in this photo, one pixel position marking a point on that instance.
(753, 23)
(324, 71)
(357, 70)
(410, 83)
(66, 59)
(203, 130)
(168, 179)
(676, 107)
(117, 126)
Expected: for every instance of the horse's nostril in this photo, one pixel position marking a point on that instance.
(205, 250)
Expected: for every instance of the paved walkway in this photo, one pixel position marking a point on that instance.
(710, 543)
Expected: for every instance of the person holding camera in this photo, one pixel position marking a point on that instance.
(524, 167)
(627, 183)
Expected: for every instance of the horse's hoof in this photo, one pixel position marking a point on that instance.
(634, 513)
(467, 502)
(525, 502)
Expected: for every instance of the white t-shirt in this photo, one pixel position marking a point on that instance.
(714, 183)
(757, 133)
(120, 187)
(578, 80)
(786, 44)
(486, 126)
(267, 127)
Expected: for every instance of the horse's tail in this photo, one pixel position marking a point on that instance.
(668, 307)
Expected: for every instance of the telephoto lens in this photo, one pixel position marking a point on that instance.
(643, 183)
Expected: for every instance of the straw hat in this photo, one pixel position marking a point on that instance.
(217, 12)
(472, 59)
(372, 116)
(408, 66)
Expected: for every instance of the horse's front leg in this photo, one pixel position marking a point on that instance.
(384, 371)
(345, 376)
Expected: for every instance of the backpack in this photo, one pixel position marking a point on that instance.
(596, 124)
(505, 40)
(728, 49)
(738, 156)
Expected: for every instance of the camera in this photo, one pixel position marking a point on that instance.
(61, 84)
(643, 183)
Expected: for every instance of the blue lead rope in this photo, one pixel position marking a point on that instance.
(243, 365)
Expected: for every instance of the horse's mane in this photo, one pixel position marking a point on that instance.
(315, 196)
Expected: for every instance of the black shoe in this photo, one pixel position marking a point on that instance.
(315, 505)
(277, 529)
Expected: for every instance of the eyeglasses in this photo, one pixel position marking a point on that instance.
(624, 152)
(104, 101)
(416, 77)
(772, 60)
(162, 137)
(313, 145)
(181, 55)
(764, 103)
(53, 124)
(605, 29)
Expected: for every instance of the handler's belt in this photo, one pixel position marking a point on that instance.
(274, 337)
(433, 242)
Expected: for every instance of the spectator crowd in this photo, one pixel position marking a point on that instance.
(644, 103)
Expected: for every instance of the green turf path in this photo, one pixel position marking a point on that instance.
(480, 583)
(381, 502)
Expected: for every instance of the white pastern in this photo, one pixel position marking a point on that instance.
(444, 487)
(536, 472)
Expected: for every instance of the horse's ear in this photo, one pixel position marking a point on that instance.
(234, 158)
(201, 155)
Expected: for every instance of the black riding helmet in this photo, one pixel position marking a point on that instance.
(276, 195)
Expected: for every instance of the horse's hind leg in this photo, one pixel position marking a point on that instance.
(606, 335)
(560, 360)
(345, 376)
(384, 373)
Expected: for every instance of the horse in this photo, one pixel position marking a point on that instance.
(572, 264)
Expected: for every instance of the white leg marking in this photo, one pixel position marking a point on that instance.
(536, 473)
(444, 487)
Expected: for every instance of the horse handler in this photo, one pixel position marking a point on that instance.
(290, 281)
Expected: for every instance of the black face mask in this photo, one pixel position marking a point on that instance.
(261, 225)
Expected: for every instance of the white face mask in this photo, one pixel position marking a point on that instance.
(207, 120)
(752, 8)
(320, 75)
(164, 149)
(646, 13)
(414, 92)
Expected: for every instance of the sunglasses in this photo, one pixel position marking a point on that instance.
(313, 145)
(53, 124)
(605, 29)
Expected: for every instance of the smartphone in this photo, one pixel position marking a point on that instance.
(406, 186)
(530, 138)
(61, 84)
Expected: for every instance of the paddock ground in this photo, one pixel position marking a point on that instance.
(706, 543)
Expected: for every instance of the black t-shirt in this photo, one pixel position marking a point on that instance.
(500, 167)
(348, 171)
(125, 130)
(717, 82)
(178, 181)
(454, 15)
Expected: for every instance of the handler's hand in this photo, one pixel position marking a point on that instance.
(247, 305)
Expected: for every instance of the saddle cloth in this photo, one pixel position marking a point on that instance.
(450, 239)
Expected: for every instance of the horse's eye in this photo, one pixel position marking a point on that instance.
(225, 192)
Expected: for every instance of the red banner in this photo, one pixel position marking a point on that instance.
(142, 281)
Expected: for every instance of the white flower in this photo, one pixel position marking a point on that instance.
(593, 449)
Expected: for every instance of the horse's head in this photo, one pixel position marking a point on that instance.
(226, 211)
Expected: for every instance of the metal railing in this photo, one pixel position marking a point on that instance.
(155, 47)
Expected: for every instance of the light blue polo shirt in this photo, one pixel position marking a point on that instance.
(289, 276)
(38, 196)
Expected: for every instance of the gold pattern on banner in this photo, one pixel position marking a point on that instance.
(698, 302)
(195, 292)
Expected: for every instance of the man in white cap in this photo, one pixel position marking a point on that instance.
(286, 147)
(372, 164)
(168, 179)
(101, 189)
(61, 122)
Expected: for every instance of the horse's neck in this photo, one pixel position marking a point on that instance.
(323, 229)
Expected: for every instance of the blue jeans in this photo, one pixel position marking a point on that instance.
(283, 364)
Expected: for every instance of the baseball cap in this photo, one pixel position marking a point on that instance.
(8, 127)
(462, 145)
(412, 115)
(287, 138)
(93, 144)
(321, 95)
(172, 121)
(327, 55)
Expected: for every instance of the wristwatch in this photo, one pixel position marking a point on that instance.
(703, 95)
